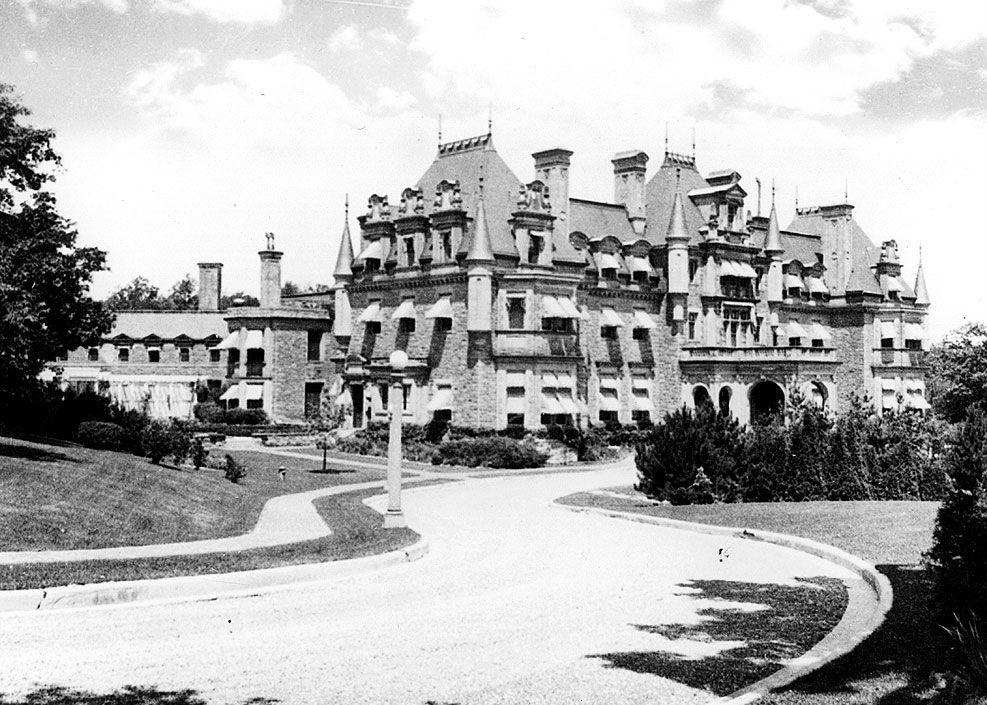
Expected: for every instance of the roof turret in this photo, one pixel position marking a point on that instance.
(921, 292)
(677, 229)
(344, 260)
(772, 240)
(480, 248)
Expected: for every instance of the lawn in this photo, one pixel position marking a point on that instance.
(66, 497)
(895, 665)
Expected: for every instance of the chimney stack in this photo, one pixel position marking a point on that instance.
(629, 172)
(210, 285)
(270, 275)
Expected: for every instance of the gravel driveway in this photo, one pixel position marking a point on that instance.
(510, 605)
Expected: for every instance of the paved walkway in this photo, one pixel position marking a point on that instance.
(518, 600)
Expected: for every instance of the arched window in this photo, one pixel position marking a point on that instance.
(700, 397)
(767, 402)
(725, 394)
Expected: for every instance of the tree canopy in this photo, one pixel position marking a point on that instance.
(141, 295)
(45, 306)
(957, 376)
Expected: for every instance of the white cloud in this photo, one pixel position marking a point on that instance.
(391, 100)
(30, 56)
(227, 11)
(346, 38)
(34, 10)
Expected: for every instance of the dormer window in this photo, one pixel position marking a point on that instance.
(445, 238)
(409, 250)
(535, 246)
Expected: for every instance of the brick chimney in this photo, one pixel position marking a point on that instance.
(210, 285)
(629, 173)
(270, 275)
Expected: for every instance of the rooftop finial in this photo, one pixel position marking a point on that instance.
(481, 180)
(772, 193)
(666, 137)
(678, 177)
(270, 240)
(346, 207)
(490, 118)
(440, 128)
(758, 196)
(693, 142)
(796, 197)
(846, 191)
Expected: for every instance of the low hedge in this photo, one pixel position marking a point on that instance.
(491, 452)
(102, 435)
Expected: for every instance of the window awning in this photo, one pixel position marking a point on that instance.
(887, 329)
(895, 284)
(548, 379)
(817, 332)
(568, 405)
(230, 341)
(795, 330)
(643, 320)
(255, 339)
(344, 400)
(913, 331)
(640, 264)
(642, 402)
(728, 268)
(816, 285)
(515, 404)
(550, 405)
(254, 391)
(732, 268)
(441, 308)
(231, 393)
(605, 260)
(889, 385)
(917, 401)
(371, 314)
(551, 308)
(405, 310)
(641, 384)
(375, 250)
(442, 399)
(609, 317)
(890, 400)
(608, 383)
(609, 400)
(568, 307)
(793, 281)
(746, 271)
(563, 380)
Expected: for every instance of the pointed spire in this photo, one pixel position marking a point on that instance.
(921, 292)
(677, 229)
(480, 248)
(440, 129)
(772, 241)
(490, 118)
(666, 137)
(344, 260)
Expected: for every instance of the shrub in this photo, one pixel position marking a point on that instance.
(235, 471)
(161, 439)
(199, 454)
(493, 452)
(209, 412)
(246, 417)
(102, 435)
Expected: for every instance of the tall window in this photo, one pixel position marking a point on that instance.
(535, 244)
(736, 325)
(123, 354)
(313, 399)
(409, 250)
(446, 238)
(515, 312)
(184, 354)
(314, 345)
(93, 354)
(693, 318)
(154, 355)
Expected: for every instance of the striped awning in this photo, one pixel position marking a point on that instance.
(913, 331)
(230, 341)
(605, 260)
(639, 264)
(643, 320)
(405, 310)
(255, 340)
(795, 330)
(375, 250)
(793, 281)
(888, 329)
(550, 404)
(441, 400)
(816, 285)
(371, 314)
(609, 400)
(609, 317)
(441, 308)
(817, 332)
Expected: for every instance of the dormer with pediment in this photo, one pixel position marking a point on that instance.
(377, 235)
(412, 230)
(449, 223)
(532, 225)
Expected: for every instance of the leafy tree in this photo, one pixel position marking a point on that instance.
(330, 418)
(957, 374)
(138, 295)
(45, 306)
(183, 296)
(290, 288)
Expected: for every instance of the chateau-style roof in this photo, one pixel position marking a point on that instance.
(462, 160)
(660, 195)
(169, 325)
(595, 219)
(863, 254)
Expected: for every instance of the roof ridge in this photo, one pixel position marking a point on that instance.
(466, 145)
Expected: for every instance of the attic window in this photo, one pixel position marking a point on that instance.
(535, 245)
(446, 240)
(409, 250)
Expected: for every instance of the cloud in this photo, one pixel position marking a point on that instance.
(35, 10)
(227, 11)
(30, 56)
(390, 100)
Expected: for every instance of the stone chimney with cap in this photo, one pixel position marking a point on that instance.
(270, 274)
(552, 169)
(629, 178)
(210, 285)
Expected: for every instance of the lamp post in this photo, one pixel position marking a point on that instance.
(394, 518)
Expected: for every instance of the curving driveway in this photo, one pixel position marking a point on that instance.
(509, 606)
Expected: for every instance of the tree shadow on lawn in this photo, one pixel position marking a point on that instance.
(790, 620)
(128, 695)
(8, 450)
(894, 664)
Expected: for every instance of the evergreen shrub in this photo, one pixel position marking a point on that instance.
(102, 435)
(234, 470)
(493, 452)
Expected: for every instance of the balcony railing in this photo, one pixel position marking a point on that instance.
(536, 343)
(899, 357)
(761, 354)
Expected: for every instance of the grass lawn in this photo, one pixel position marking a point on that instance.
(893, 665)
(64, 497)
(357, 531)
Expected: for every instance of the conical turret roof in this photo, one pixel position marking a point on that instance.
(677, 229)
(480, 248)
(921, 292)
(772, 240)
(344, 260)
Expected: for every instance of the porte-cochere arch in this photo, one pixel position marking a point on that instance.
(767, 398)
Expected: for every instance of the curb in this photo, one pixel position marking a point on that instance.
(193, 588)
(855, 626)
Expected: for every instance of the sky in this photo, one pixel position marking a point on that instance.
(189, 128)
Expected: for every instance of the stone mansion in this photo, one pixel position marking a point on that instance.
(519, 304)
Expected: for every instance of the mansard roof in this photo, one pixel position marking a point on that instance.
(595, 219)
(863, 254)
(660, 195)
(169, 325)
(462, 160)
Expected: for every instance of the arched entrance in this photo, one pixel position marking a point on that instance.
(725, 394)
(767, 400)
(700, 397)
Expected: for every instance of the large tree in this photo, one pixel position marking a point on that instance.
(957, 374)
(45, 306)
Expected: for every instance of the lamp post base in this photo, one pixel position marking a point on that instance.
(394, 520)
